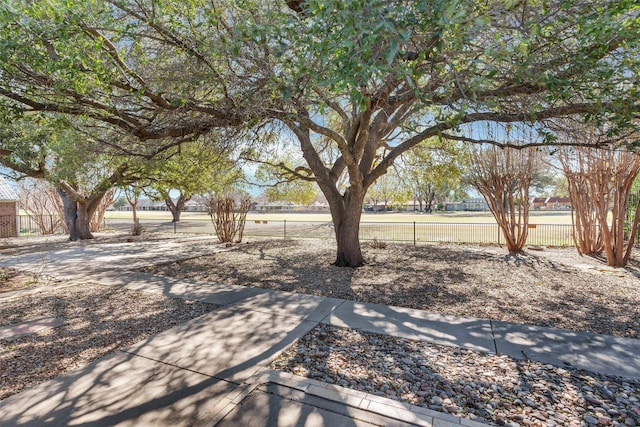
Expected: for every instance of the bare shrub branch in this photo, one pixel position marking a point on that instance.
(105, 203)
(41, 202)
(600, 181)
(228, 216)
(503, 176)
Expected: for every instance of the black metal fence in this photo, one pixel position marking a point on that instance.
(414, 232)
(8, 226)
(29, 225)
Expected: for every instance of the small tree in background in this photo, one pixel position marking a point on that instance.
(191, 169)
(600, 182)
(388, 190)
(503, 177)
(431, 171)
(228, 215)
(132, 194)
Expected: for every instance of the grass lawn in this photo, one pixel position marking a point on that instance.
(536, 217)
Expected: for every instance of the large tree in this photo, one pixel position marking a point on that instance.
(52, 149)
(365, 80)
(393, 74)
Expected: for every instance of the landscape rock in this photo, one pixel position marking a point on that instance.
(478, 386)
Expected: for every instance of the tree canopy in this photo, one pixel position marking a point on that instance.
(372, 80)
(200, 167)
(153, 70)
(432, 171)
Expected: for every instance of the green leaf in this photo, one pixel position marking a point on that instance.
(393, 51)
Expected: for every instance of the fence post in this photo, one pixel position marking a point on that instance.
(285, 228)
(414, 233)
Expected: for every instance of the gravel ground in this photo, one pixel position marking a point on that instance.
(97, 320)
(13, 280)
(553, 287)
(31, 244)
(483, 387)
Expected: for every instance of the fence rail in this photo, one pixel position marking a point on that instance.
(29, 225)
(415, 232)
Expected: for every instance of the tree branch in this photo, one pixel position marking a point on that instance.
(520, 145)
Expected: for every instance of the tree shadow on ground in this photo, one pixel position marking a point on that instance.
(97, 321)
(180, 377)
(447, 279)
(278, 265)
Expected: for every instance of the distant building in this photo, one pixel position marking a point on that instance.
(8, 210)
(318, 206)
(477, 204)
(414, 205)
(147, 205)
(378, 207)
(196, 206)
(277, 207)
(538, 202)
(551, 203)
(263, 204)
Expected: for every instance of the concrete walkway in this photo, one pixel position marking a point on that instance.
(212, 370)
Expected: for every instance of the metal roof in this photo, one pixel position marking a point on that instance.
(7, 194)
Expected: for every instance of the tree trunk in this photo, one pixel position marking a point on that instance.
(70, 209)
(133, 196)
(346, 223)
(134, 211)
(176, 207)
(429, 195)
(83, 222)
(175, 214)
(77, 215)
